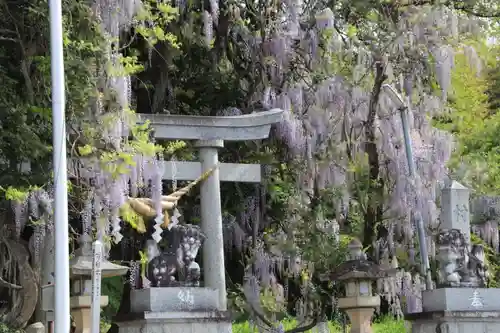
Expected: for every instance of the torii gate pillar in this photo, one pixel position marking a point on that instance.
(211, 217)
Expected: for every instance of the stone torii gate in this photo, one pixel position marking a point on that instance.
(210, 134)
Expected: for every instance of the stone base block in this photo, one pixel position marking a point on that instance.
(455, 322)
(461, 299)
(177, 322)
(170, 299)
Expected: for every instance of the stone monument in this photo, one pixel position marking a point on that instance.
(174, 302)
(461, 302)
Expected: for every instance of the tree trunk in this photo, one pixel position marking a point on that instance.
(374, 209)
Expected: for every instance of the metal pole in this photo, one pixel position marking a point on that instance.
(426, 271)
(61, 283)
(407, 138)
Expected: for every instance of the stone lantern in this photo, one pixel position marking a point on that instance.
(81, 283)
(358, 275)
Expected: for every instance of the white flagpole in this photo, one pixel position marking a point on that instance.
(61, 283)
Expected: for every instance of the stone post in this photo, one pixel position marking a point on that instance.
(455, 208)
(81, 284)
(211, 221)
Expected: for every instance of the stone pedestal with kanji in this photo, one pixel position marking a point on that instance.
(461, 302)
(358, 275)
(458, 310)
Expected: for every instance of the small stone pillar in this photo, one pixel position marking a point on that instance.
(358, 274)
(455, 208)
(81, 284)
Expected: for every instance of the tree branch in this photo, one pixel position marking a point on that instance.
(8, 285)
(14, 40)
(267, 322)
(304, 328)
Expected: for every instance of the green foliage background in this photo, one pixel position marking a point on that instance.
(475, 121)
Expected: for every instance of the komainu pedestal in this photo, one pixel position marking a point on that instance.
(175, 310)
(458, 310)
(461, 303)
